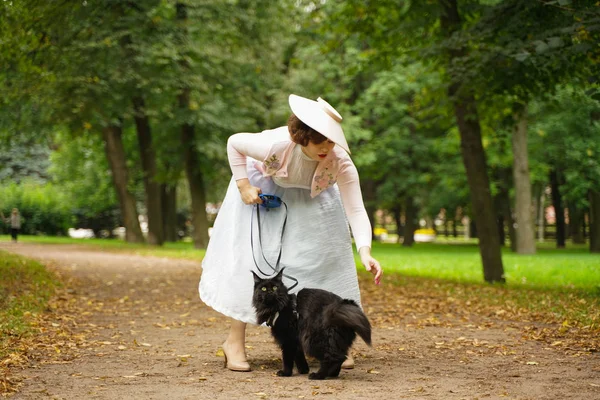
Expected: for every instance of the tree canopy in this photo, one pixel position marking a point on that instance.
(126, 105)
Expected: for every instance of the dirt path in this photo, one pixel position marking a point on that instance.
(132, 327)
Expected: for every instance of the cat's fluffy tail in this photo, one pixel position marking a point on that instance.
(348, 314)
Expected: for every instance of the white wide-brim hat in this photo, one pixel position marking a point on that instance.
(320, 116)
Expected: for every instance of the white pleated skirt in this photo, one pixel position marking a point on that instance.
(316, 247)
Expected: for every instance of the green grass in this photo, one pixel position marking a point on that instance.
(25, 287)
(554, 285)
(557, 285)
(171, 249)
(570, 269)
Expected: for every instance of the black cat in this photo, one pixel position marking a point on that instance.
(326, 326)
(275, 306)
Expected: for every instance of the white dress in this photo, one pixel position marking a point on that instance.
(316, 245)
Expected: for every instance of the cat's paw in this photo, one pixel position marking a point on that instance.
(284, 373)
(303, 371)
(316, 376)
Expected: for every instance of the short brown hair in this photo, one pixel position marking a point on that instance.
(302, 133)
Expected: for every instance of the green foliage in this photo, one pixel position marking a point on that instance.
(448, 189)
(79, 168)
(72, 68)
(21, 158)
(23, 107)
(25, 287)
(395, 109)
(89, 60)
(565, 135)
(535, 46)
(391, 117)
(44, 208)
(505, 52)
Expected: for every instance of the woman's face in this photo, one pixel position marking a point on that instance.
(319, 151)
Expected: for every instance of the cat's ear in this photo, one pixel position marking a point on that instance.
(279, 275)
(256, 277)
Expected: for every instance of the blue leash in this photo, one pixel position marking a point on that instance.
(269, 202)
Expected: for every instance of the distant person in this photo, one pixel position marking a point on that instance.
(15, 223)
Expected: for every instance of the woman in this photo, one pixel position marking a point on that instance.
(306, 163)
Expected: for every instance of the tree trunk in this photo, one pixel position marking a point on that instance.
(503, 204)
(454, 227)
(473, 154)
(501, 231)
(397, 212)
(473, 228)
(410, 225)
(559, 212)
(169, 212)
(523, 215)
(483, 210)
(151, 187)
(115, 153)
(594, 197)
(466, 222)
(512, 234)
(196, 184)
(541, 213)
(191, 157)
(576, 224)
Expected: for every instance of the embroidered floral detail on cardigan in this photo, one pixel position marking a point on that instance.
(323, 180)
(272, 163)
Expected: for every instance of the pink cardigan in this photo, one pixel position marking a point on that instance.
(274, 148)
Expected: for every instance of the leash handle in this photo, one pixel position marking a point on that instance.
(276, 267)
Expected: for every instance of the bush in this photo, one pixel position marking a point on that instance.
(43, 207)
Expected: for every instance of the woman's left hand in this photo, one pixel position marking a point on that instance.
(371, 264)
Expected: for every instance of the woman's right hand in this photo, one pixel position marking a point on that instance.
(248, 192)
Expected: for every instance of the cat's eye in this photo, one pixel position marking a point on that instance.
(264, 289)
(274, 288)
